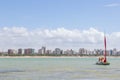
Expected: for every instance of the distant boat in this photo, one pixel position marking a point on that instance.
(103, 60)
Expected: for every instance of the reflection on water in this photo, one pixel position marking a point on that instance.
(57, 69)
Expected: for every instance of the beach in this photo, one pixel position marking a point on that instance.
(57, 56)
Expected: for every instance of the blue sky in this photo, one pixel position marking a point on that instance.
(71, 14)
(52, 23)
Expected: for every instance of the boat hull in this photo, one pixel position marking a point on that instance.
(102, 63)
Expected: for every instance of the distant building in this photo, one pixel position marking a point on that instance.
(29, 51)
(114, 51)
(58, 51)
(19, 51)
(69, 51)
(42, 50)
(11, 51)
(82, 51)
(48, 52)
(111, 52)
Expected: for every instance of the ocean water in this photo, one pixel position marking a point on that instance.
(58, 69)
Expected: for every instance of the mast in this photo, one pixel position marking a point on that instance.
(105, 48)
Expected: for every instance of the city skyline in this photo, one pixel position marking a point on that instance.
(64, 24)
(43, 51)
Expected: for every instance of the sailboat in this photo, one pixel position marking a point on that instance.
(103, 60)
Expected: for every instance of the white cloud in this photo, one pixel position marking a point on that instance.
(21, 37)
(112, 5)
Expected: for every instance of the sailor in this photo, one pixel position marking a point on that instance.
(101, 59)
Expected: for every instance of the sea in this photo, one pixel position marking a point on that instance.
(76, 68)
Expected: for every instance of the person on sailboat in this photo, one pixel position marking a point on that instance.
(101, 59)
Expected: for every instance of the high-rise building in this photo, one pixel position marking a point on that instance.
(114, 51)
(58, 51)
(81, 51)
(42, 50)
(11, 51)
(20, 51)
(48, 51)
(69, 51)
(29, 51)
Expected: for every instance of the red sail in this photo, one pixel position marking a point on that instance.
(105, 48)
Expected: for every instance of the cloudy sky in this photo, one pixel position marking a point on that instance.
(59, 23)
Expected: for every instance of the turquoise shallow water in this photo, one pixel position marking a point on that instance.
(58, 69)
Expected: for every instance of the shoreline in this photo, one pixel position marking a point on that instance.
(41, 57)
(57, 56)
